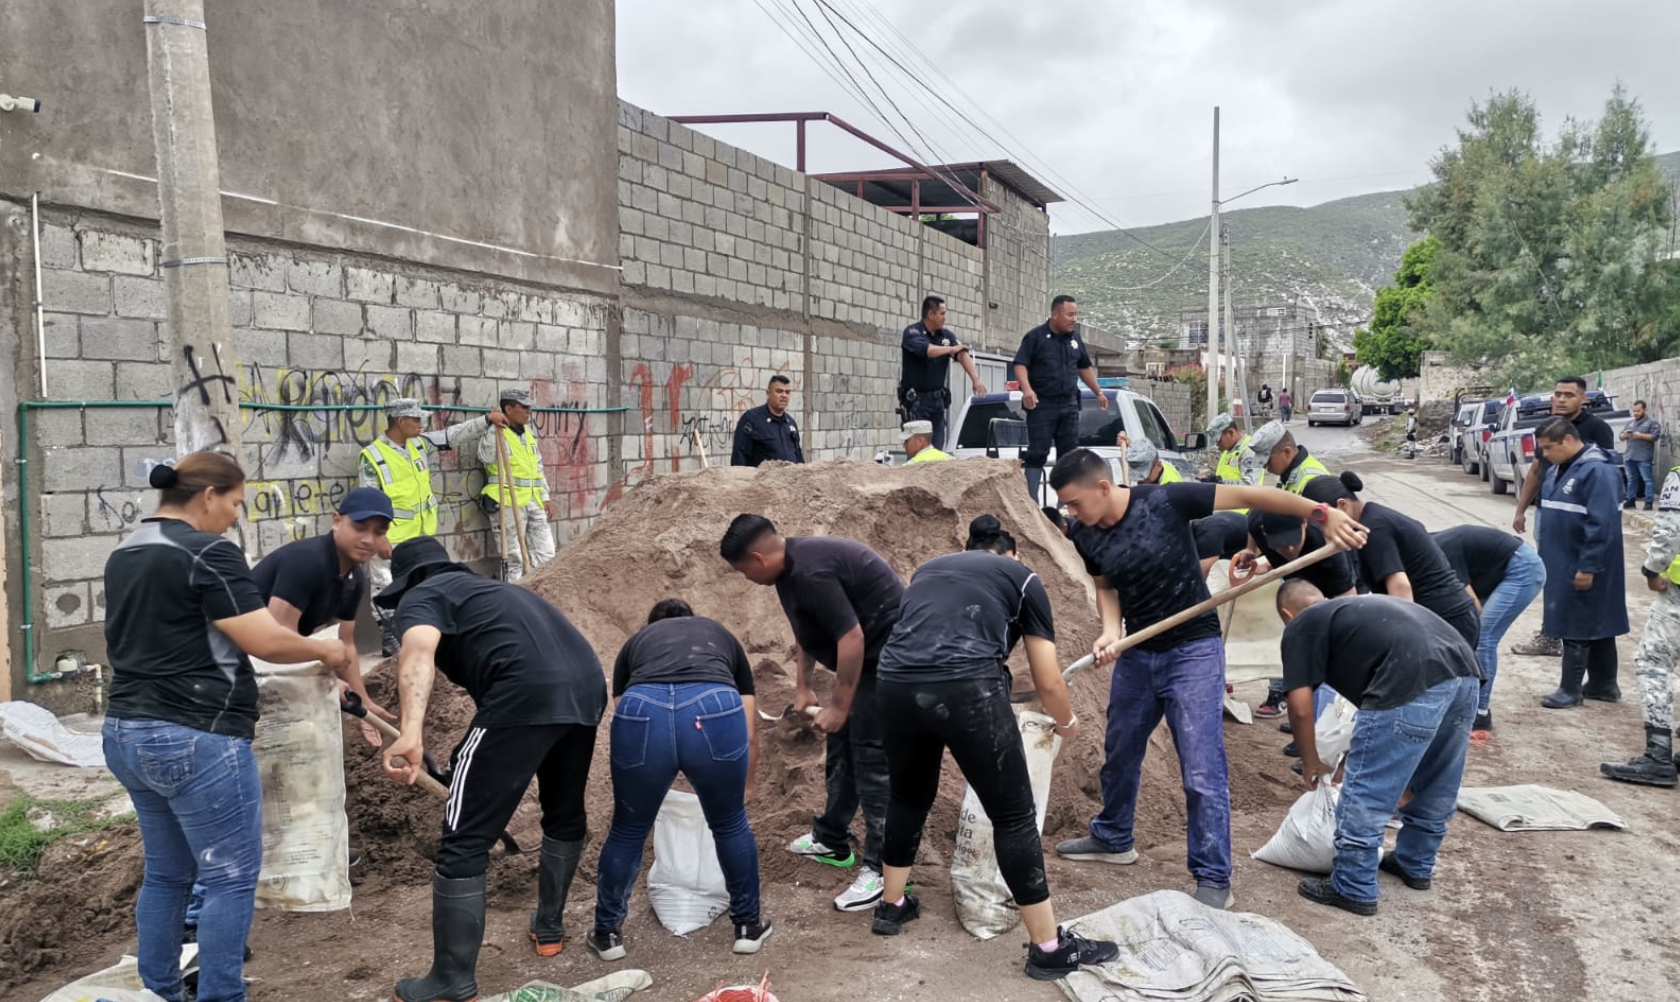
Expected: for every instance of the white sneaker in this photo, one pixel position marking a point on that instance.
(864, 892)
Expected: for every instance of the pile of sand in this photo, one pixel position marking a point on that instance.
(661, 542)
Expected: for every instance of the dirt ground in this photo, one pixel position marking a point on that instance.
(1512, 917)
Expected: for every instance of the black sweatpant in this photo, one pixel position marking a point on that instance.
(491, 769)
(919, 720)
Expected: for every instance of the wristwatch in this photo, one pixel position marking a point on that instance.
(1320, 513)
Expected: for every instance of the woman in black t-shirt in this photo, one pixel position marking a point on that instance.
(1399, 557)
(943, 685)
(685, 704)
(181, 615)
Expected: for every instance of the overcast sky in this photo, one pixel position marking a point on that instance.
(1116, 96)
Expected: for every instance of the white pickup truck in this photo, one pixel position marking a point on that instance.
(1509, 451)
(995, 425)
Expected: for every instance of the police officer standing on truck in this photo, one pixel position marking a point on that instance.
(924, 393)
(1049, 366)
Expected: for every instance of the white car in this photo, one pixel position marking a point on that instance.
(1334, 407)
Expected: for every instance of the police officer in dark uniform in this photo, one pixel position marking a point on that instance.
(1048, 367)
(923, 392)
(768, 431)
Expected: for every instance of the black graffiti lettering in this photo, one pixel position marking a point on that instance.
(202, 382)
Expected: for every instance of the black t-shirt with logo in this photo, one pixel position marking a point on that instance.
(521, 661)
(832, 584)
(1478, 555)
(922, 373)
(1149, 558)
(1377, 651)
(165, 586)
(962, 615)
(1053, 362)
(681, 650)
(305, 575)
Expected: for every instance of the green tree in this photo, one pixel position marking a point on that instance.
(1551, 253)
(1392, 343)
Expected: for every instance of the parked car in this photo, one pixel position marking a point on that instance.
(995, 425)
(1511, 449)
(1334, 407)
(1467, 411)
(1477, 432)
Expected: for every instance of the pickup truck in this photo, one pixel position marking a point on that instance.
(1508, 453)
(995, 425)
(1478, 426)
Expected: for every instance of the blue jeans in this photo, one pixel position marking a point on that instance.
(1421, 745)
(1525, 575)
(1187, 686)
(1639, 473)
(199, 801)
(700, 730)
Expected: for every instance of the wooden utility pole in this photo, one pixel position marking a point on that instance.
(1213, 367)
(193, 256)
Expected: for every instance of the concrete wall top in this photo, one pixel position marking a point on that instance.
(466, 135)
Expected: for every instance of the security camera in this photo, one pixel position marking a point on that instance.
(10, 103)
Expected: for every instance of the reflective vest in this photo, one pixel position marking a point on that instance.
(526, 474)
(1170, 474)
(1673, 572)
(929, 455)
(1298, 477)
(1229, 470)
(406, 479)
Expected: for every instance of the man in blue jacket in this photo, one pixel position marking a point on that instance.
(1586, 587)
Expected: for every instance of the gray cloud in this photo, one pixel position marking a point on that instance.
(1117, 97)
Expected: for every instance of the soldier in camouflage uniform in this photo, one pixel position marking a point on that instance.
(1659, 648)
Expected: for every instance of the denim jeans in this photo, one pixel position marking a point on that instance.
(1420, 744)
(1525, 575)
(199, 802)
(1639, 473)
(1186, 685)
(658, 730)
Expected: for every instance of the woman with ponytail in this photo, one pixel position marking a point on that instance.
(182, 616)
(1400, 558)
(943, 685)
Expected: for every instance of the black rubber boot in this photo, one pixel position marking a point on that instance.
(1601, 674)
(457, 933)
(554, 879)
(1654, 768)
(1568, 693)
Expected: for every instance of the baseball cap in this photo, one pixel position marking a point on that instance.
(1266, 439)
(364, 503)
(1220, 422)
(516, 397)
(914, 428)
(1277, 528)
(406, 407)
(1140, 459)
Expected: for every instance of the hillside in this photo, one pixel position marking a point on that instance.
(1334, 256)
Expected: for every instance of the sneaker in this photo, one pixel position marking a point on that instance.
(1539, 645)
(1216, 897)
(1071, 953)
(1292, 750)
(864, 892)
(750, 935)
(1628, 505)
(808, 846)
(1089, 850)
(1483, 721)
(890, 918)
(606, 944)
(1318, 889)
(1389, 864)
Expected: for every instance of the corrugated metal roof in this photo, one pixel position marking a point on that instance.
(937, 192)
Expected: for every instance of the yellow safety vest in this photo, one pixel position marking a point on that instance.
(526, 470)
(929, 455)
(406, 479)
(1229, 470)
(1309, 468)
(1673, 572)
(1170, 474)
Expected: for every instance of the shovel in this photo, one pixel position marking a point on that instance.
(789, 717)
(431, 778)
(1179, 618)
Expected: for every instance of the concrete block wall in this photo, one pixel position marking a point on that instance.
(1658, 384)
(1017, 267)
(321, 329)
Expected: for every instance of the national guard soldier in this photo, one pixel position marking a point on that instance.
(1659, 648)
(526, 488)
(1276, 448)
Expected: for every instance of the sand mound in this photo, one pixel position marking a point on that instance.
(661, 542)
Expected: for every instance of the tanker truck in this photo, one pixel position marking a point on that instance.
(1377, 395)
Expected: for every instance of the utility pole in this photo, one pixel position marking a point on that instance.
(1213, 283)
(1236, 380)
(193, 254)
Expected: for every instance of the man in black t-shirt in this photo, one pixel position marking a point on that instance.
(841, 599)
(1414, 679)
(1141, 553)
(1569, 400)
(1505, 574)
(539, 694)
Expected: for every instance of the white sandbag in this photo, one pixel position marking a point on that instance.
(1307, 839)
(300, 756)
(1333, 732)
(120, 982)
(614, 987)
(685, 884)
(984, 905)
(34, 729)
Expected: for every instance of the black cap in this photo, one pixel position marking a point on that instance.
(410, 556)
(1277, 528)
